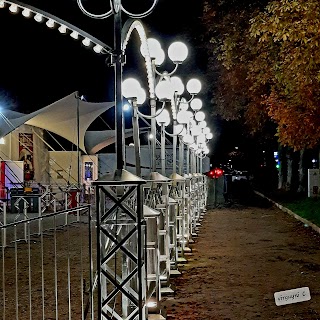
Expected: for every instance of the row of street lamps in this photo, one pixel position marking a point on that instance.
(125, 210)
(188, 125)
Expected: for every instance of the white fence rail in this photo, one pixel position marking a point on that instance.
(48, 258)
(46, 266)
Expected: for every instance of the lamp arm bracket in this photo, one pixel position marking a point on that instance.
(145, 116)
(191, 98)
(173, 134)
(166, 74)
(174, 70)
(170, 134)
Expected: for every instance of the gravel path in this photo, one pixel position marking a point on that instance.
(240, 258)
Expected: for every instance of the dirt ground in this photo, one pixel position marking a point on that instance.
(241, 256)
(53, 294)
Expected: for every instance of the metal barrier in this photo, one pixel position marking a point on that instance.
(45, 275)
(121, 248)
(118, 271)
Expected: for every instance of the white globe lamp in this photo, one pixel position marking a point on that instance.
(177, 52)
(164, 90)
(200, 116)
(177, 85)
(163, 118)
(130, 88)
(196, 104)
(194, 86)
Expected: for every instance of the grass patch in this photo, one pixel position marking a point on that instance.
(307, 208)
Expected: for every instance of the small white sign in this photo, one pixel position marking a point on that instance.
(292, 296)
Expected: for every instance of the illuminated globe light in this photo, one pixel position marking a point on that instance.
(155, 51)
(2, 141)
(206, 150)
(195, 131)
(192, 122)
(163, 118)
(153, 45)
(183, 104)
(177, 129)
(159, 58)
(206, 130)
(201, 138)
(188, 139)
(184, 116)
(177, 52)
(177, 85)
(209, 135)
(193, 146)
(130, 88)
(203, 124)
(194, 86)
(141, 96)
(164, 90)
(196, 104)
(143, 49)
(200, 116)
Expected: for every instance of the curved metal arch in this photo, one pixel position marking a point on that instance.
(145, 116)
(70, 26)
(140, 15)
(92, 15)
(127, 30)
(116, 6)
(173, 134)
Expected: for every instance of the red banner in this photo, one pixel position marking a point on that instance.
(2, 180)
(26, 154)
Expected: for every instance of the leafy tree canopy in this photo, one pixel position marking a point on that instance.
(288, 35)
(268, 64)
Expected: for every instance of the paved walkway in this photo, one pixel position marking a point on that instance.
(241, 257)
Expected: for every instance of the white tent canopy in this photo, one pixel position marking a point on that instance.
(97, 140)
(64, 118)
(68, 115)
(11, 120)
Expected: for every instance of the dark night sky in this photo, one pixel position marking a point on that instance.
(40, 66)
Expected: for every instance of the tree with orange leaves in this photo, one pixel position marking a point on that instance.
(288, 38)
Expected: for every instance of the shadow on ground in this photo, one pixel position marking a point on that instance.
(236, 193)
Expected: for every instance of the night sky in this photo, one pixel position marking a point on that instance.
(40, 65)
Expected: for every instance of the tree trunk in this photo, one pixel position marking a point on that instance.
(282, 178)
(302, 172)
(289, 170)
